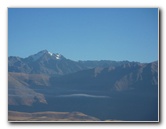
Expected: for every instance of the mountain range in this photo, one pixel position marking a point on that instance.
(45, 62)
(103, 89)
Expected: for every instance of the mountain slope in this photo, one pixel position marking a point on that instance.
(20, 90)
(125, 77)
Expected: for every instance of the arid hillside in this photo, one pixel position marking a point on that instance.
(49, 116)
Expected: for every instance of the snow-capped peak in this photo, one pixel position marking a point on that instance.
(50, 53)
(57, 56)
(43, 52)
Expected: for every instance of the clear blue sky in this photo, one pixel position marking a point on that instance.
(85, 33)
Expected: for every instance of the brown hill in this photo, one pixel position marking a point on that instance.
(20, 91)
(49, 116)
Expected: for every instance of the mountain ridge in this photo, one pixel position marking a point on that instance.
(55, 64)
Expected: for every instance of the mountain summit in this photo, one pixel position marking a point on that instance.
(42, 53)
(43, 62)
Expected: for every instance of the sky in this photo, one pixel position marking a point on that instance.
(85, 33)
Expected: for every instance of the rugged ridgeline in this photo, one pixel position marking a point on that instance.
(104, 89)
(48, 63)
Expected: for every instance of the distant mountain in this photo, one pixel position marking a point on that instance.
(44, 54)
(45, 62)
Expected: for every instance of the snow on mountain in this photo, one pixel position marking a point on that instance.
(35, 57)
(50, 53)
(58, 56)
